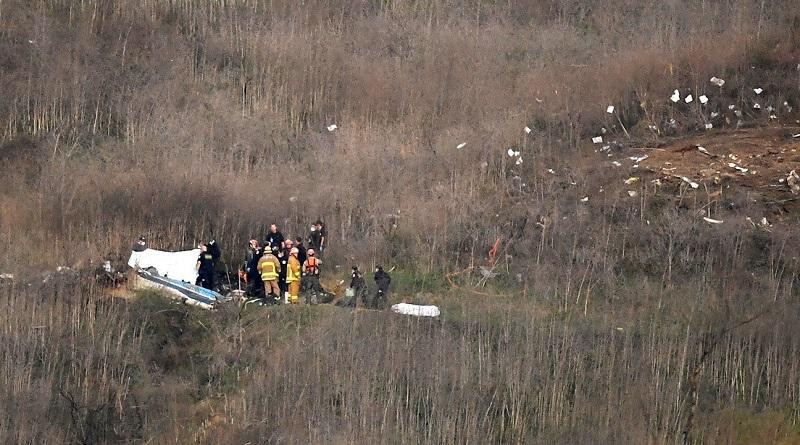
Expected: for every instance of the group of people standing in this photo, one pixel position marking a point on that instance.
(277, 268)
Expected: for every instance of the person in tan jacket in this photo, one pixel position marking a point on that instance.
(270, 269)
(293, 276)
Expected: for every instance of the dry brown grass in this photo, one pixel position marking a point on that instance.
(612, 321)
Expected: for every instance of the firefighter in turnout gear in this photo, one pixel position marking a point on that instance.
(269, 268)
(293, 276)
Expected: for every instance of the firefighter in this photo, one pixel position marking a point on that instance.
(358, 286)
(293, 276)
(205, 268)
(269, 270)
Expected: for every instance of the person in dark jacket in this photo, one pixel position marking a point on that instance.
(382, 281)
(283, 258)
(301, 249)
(274, 238)
(255, 287)
(205, 268)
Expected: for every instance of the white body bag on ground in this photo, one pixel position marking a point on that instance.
(415, 310)
(176, 265)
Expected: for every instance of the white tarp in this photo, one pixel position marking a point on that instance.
(175, 265)
(415, 310)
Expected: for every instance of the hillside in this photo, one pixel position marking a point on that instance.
(629, 161)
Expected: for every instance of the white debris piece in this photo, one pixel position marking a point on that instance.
(652, 127)
(757, 106)
(632, 193)
(773, 117)
(702, 150)
(551, 171)
(7, 276)
(416, 310)
(714, 114)
(176, 265)
(758, 90)
(676, 96)
(731, 107)
(332, 127)
(709, 126)
(461, 145)
(512, 153)
(717, 81)
(597, 139)
(638, 159)
(519, 161)
(738, 167)
(610, 109)
(691, 183)
(616, 164)
(765, 222)
(631, 180)
(528, 130)
(689, 99)
(703, 99)
(712, 221)
(793, 180)
(585, 199)
(795, 136)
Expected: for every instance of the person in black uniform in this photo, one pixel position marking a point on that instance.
(274, 238)
(283, 258)
(382, 280)
(301, 250)
(205, 268)
(255, 287)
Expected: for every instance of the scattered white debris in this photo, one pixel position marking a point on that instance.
(519, 161)
(757, 106)
(717, 81)
(539, 100)
(616, 164)
(639, 159)
(597, 139)
(691, 183)
(714, 114)
(585, 199)
(709, 126)
(703, 99)
(676, 96)
(750, 220)
(758, 90)
(610, 109)
(512, 153)
(731, 107)
(689, 99)
(415, 310)
(528, 130)
(292, 198)
(773, 117)
(332, 127)
(765, 222)
(551, 171)
(461, 145)
(7, 276)
(652, 127)
(712, 221)
(656, 182)
(632, 193)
